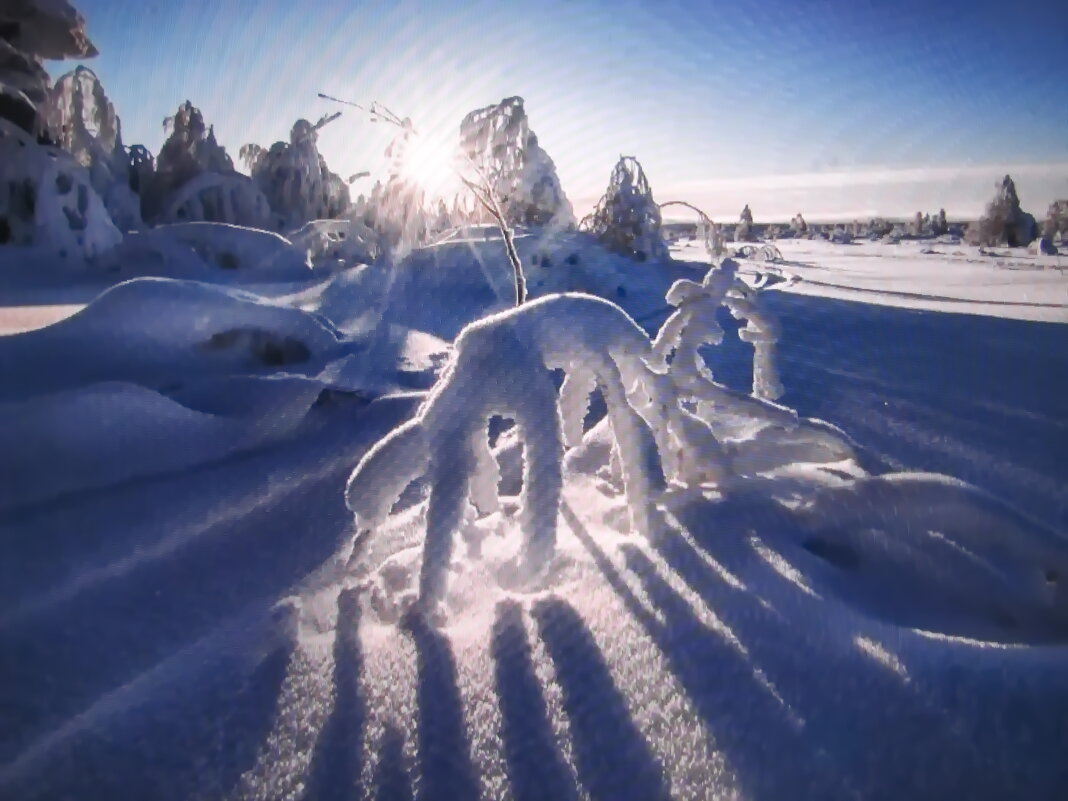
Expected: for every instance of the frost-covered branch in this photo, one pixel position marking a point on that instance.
(502, 366)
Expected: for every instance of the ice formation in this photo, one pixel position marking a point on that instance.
(295, 179)
(502, 366)
(500, 146)
(627, 219)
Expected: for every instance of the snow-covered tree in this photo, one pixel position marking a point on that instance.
(499, 145)
(799, 225)
(295, 179)
(939, 225)
(627, 219)
(1003, 222)
(32, 30)
(1056, 223)
(195, 179)
(502, 365)
(744, 232)
(84, 123)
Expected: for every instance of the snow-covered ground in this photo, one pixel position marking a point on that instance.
(821, 616)
(936, 275)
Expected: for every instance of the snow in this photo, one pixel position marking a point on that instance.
(950, 277)
(312, 517)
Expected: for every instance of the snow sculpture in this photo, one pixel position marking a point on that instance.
(498, 142)
(85, 124)
(31, 30)
(693, 324)
(1004, 222)
(501, 366)
(627, 219)
(47, 200)
(295, 179)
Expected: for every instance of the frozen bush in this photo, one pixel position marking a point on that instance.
(1056, 223)
(744, 232)
(627, 219)
(502, 366)
(223, 198)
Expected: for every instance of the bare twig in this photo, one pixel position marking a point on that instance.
(482, 191)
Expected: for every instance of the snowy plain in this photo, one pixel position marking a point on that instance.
(842, 617)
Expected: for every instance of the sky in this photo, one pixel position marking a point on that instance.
(834, 109)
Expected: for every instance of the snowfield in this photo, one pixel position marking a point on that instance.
(855, 591)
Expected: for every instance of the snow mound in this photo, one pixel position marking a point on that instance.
(220, 198)
(209, 251)
(336, 243)
(47, 200)
(157, 332)
(94, 436)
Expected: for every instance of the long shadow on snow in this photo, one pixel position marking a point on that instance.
(886, 736)
(392, 779)
(446, 769)
(979, 398)
(189, 740)
(614, 761)
(536, 768)
(334, 773)
(56, 664)
(771, 758)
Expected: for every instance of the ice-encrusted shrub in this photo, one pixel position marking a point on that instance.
(47, 200)
(498, 142)
(85, 124)
(693, 324)
(337, 242)
(502, 366)
(744, 232)
(627, 219)
(295, 179)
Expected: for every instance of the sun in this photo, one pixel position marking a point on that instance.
(430, 163)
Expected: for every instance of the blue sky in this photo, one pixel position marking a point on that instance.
(835, 109)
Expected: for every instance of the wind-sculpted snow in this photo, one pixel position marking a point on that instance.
(158, 332)
(502, 367)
